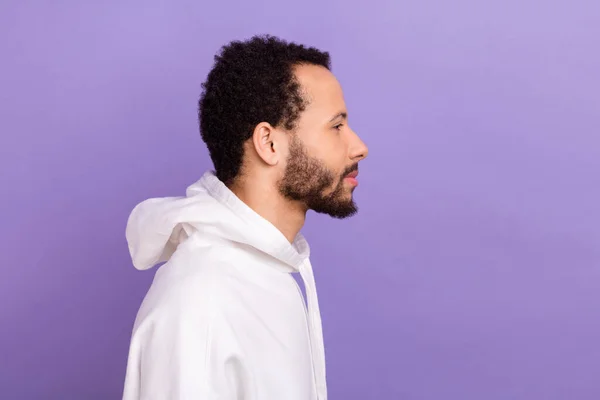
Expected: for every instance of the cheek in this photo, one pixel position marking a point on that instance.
(335, 164)
(330, 151)
(335, 159)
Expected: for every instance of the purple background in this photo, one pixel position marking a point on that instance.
(473, 269)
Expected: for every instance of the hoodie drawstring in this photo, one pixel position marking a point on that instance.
(315, 328)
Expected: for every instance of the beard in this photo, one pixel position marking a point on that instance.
(309, 181)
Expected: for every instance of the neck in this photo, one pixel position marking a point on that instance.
(267, 202)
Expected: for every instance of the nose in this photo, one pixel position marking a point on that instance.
(358, 149)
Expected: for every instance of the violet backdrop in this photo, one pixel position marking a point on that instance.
(473, 268)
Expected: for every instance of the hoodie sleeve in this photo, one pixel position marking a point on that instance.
(184, 349)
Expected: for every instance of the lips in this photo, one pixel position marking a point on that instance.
(351, 178)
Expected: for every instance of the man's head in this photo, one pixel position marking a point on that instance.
(272, 111)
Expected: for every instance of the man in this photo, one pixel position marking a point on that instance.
(224, 318)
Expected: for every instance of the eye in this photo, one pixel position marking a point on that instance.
(338, 127)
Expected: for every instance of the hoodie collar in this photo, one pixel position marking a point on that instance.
(273, 241)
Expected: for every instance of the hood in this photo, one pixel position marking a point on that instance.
(157, 226)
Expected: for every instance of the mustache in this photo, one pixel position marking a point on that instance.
(350, 169)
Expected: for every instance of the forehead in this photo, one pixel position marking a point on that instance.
(321, 88)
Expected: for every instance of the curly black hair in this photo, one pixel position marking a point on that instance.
(251, 82)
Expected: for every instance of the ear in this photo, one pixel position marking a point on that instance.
(264, 142)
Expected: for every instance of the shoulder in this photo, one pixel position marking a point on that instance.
(192, 285)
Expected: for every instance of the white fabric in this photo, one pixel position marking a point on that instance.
(224, 318)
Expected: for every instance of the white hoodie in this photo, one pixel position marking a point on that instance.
(224, 318)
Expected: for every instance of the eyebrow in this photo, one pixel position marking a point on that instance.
(342, 115)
